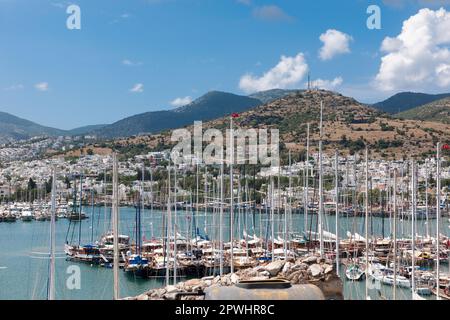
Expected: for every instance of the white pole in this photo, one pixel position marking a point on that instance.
(51, 294)
(367, 223)
(426, 199)
(438, 218)
(272, 216)
(336, 177)
(286, 211)
(307, 178)
(115, 209)
(221, 217)
(413, 227)
(175, 228)
(321, 185)
(169, 226)
(395, 232)
(231, 193)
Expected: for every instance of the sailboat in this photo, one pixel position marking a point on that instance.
(88, 253)
(354, 272)
(136, 264)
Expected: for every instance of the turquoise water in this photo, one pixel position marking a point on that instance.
(24, 252)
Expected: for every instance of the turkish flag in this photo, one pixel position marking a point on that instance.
(446, 147)
(235, 115)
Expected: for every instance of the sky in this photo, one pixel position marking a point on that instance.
(135, 56)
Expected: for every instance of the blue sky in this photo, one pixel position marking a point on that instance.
(180, 49)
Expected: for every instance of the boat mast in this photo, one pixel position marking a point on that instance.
(81, 208)
(321, 184)
(105, 205)
(286, 209)
(221, 218)
(175, 227)
(169, 226)
(51, 291)
(307, 177)
(336, 177)
(426, 199)
(231, 192)
(367, 223)
(394, 213)
(115, 209)
(272, 216)
(413, 227)
(142, 193)
(438, 218)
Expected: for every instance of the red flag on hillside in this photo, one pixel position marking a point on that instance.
(446, 147)
(235, 115)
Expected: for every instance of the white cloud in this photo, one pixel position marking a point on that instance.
(271, 13)
(286, 74)
(334, 43)
(419, 57)
(137, 88)
(42, 86)
(14, 87)
(327, 84)
(130, 63)
(180, 102)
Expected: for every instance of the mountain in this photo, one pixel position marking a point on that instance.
(407, 100)
(212, 105)
(85, 129)
(349, 126)
(438, 111)
(272, 95)
(15, 128)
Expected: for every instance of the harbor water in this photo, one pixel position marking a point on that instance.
(24, 250)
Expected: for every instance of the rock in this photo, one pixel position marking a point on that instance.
(170, 296)
(274, 267)
(264, 273)
(234, 278)
(315, 270)
(142, 297)
(208, 283)
(320, 260)
(310, 259)
(287, 267)
(171, 289)
(328, 269)
(197, 288)
(248, 273)
(192, 283)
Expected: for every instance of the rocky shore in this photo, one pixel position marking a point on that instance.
(308, 270)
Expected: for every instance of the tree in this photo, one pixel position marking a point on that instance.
(31, 184)
(67, 182)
